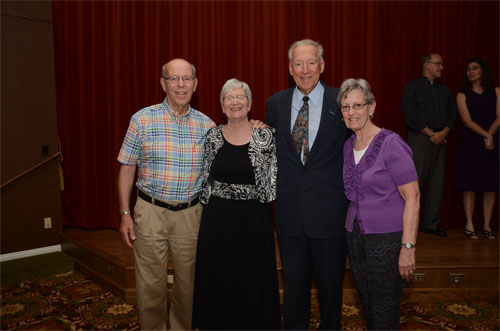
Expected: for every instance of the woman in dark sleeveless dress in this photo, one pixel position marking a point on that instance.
(236, 284)
(478, 105)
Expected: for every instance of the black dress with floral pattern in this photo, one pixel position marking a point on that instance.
(236, 285)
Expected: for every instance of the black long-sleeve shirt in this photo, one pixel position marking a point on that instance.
(428, 105)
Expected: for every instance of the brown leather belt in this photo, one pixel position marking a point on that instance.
(174, 207)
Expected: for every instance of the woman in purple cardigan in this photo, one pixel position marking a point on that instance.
(381, 184)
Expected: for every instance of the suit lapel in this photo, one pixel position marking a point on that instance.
(286, 108)
(329, 112)
(329, 116)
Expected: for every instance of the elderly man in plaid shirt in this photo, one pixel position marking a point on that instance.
(164, 143)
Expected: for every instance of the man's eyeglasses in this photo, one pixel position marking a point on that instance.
(437, 63)
(231, 98)
(356, 106)
(175, 79)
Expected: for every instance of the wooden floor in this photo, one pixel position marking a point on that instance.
(447, 268)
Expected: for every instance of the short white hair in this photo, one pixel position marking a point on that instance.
(305, 42)
(232, 84)
(164, 72)
(352, 84)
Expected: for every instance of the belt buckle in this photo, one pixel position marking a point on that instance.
(175, 207)
(180, 206)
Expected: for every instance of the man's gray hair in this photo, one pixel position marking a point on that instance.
(164, 72)
(305, 42)
(352, 84)
(232, 84)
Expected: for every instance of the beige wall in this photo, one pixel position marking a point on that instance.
(28, 121)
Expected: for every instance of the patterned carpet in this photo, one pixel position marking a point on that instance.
(66, 301)
(69, 301)
(427, 316)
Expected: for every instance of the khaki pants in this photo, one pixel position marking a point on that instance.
(157, 229)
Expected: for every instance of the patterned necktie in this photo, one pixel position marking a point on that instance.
(300, 131)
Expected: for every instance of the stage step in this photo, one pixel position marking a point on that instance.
(102, 256)
(448, 269)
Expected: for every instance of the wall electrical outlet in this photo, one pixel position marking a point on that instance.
(47, 222)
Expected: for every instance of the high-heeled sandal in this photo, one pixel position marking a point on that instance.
(489, 234)
(469, 234)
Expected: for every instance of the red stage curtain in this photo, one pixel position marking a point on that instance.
(109, 55)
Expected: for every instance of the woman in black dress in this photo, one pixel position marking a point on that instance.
(236, 285)
(478, 105)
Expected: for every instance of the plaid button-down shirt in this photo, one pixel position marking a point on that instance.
(168, 151)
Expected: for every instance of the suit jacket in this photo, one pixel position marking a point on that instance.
(309, 196)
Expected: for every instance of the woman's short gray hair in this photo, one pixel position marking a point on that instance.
(305, 42)
(352, 84)
(232, 84)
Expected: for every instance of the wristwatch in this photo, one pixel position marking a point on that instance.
(408, 245)
(125, 212)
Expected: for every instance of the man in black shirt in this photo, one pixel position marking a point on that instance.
(430, 114)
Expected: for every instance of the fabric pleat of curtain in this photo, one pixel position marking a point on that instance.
(109, 55)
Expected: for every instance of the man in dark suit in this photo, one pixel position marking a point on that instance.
(310, 207)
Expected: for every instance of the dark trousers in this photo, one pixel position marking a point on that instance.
(302, 257)
(373, 259)
(430, 162)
